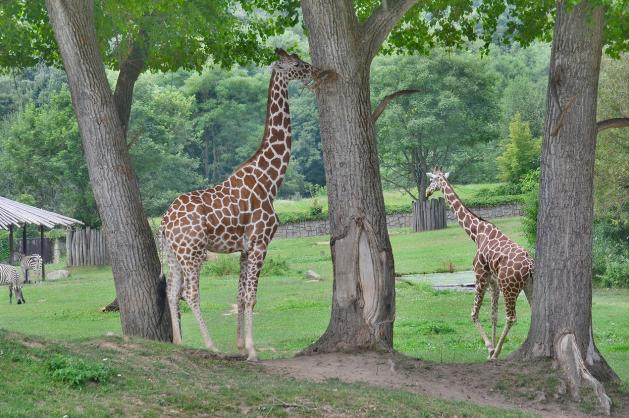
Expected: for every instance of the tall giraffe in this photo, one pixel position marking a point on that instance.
(499, 262)
(236, 215)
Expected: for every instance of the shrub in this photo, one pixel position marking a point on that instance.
(226, 265)
(76, 371)
(229, 265)
(275, 266)
(530, 187)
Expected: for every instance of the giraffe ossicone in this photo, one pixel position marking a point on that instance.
(499, 263)
(236, 215)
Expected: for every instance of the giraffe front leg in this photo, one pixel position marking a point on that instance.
(255, 260)
(240, 303)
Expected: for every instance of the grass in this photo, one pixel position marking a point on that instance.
(153, 379)
(433, 325)
(291, 313)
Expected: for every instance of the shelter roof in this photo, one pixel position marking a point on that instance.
(19, 214)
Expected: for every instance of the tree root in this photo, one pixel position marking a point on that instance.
(112, 307)
(575, 370)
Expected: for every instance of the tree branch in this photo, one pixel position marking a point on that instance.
(387, 99)
(612, 123)
(130, 70)
(381, 23)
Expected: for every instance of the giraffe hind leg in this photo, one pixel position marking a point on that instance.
(255, 260)
(191, 295)
(240, 304)
(173, 290)
(510, 301)
(495, 296)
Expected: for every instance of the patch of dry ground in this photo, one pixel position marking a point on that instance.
(534, 389)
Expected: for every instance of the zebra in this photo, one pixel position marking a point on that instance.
(11, 277)
(32, 262)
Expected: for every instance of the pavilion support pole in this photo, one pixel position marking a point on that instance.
(24, 251)
(41, 252)
(10, 244)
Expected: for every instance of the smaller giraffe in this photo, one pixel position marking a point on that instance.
(499, 262)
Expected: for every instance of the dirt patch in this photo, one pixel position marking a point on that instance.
(501, 384)
(31, 344)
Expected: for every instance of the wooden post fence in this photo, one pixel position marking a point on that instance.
(429, 215)
(86, 247)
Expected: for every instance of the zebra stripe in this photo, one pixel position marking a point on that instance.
(31, 262)
(9, 276)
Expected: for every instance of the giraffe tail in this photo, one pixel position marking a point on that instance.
(161, 252)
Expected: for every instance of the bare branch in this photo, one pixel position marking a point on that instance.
(381, 22)
(387, 99)
(612, 123)
(135, 138)
(564, 112)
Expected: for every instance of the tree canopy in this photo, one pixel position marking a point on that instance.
(172, 34)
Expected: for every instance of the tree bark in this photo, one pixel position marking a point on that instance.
(363, 305)
(135, 265)
(562, 285)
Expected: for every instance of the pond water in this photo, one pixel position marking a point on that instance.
(459, 281)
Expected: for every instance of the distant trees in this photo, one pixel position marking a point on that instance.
(455, 109)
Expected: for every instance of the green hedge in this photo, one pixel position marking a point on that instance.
(477, 201)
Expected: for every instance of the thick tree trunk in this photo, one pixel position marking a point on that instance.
(135, 265)
(363, 306)
(562, 287)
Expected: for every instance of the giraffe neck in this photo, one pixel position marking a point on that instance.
(468, 220)
(270, 161)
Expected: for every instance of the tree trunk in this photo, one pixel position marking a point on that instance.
(135, 265)
(562, 285)
(363, 306)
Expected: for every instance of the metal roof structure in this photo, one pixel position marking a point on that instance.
(18, 214)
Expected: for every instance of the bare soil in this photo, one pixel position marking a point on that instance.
(535, 389)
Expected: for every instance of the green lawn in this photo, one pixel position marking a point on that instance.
(155, 379)
(395, 201)
(291, 312)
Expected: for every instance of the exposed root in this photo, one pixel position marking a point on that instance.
(571, 363)
(112, 307)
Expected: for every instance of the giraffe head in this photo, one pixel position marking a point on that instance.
(296, 69)
(437, 180)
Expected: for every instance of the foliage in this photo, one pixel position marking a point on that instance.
(173, 34)
(454, 110)
(161, 132)
(611, 175)
(229, 265)
(520, 152)
(77, 371)
(611, 254)
(530, 187)
(41, 156)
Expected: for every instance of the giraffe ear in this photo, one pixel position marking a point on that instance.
(446, 175)
(430, 175)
